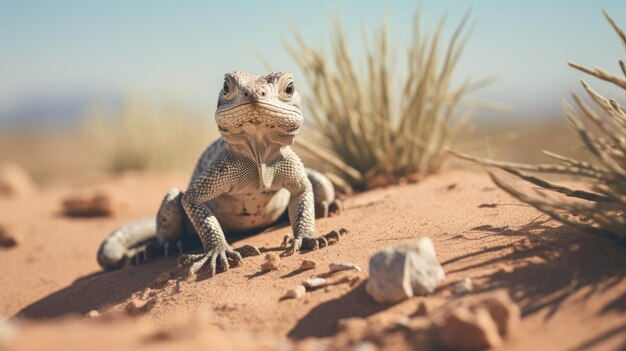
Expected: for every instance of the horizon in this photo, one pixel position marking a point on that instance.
(166, 51)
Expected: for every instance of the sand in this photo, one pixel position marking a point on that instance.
(570, 286)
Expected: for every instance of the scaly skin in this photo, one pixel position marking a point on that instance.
(245, 180)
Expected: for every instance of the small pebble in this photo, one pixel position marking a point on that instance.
(272, 261)
(89, 205)
(463, 287)
(163, 277)
(314, 283)
(6, 239)
(248, 251)
(335, 267)
(8, 332)
(364, 346)
(295, 293)
(137, 306)
(93, 314)
(308, 264)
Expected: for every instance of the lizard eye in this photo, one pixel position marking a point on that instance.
(289, 89)
(226, 88)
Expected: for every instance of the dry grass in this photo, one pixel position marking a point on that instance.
(143, 137)
(362, 128)
(598, 204)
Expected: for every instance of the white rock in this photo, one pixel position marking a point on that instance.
(7, 332)
(463, 287)
(295, 293)
(314, 283)
(335, 267)
(397, 273)
(93, 314)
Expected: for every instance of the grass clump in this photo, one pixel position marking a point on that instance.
(598, 203)
(363, 128)
(143, 136)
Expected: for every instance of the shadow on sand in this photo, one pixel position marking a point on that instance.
(97, 290)
(554, 263)
(551, 265)
(322, 320)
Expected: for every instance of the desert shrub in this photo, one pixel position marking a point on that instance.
(144, 136)
(597, 203)
(369, 124)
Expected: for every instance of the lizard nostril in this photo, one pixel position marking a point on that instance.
(245, 94)
(262, 92)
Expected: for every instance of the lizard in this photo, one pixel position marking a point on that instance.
(247, 179)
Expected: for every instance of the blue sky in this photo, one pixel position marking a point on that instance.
(181, 49)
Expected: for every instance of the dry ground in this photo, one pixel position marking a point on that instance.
(571, 287)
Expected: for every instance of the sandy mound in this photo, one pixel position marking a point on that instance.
(570, 286)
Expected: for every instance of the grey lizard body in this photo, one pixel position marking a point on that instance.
(245, 180)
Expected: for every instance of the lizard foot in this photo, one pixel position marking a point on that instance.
(335, 208)
(336, 234)
(303, 242)
(209, 259)
(143, 253)
(167, 248)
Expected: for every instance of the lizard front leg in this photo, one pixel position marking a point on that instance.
(302, 218)
(207, 187)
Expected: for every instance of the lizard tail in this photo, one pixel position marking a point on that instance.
(117, 247)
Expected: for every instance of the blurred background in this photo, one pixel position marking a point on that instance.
(96, 87)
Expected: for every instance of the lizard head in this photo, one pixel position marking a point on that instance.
(259, 107)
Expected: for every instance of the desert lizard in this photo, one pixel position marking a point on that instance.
(245, 180)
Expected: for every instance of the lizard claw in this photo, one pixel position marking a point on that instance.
(304, 242)
(287, 240)
(209, 259)
(336, 234)
(143, 253)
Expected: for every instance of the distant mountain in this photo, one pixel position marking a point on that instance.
(53, 111)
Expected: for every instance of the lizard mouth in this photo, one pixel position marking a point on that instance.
(260, 116)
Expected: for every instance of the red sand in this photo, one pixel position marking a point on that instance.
(570, 286)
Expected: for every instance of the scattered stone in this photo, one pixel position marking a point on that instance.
(88, 205)
(163, 278)
(15, 181)
(248, 251)
(397, 273)
(93, 314)
(335, 267)
(7, 332)
(476, 323)
(272, 262)
(463, 329)
(364, 346)
(137, 306)
(6, 239)
(308, 264)
(463, 287)
(314, 283)
(503, 311)
(295, 293)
